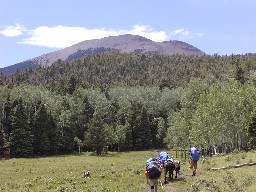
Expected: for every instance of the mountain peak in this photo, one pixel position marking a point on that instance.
(127, 43)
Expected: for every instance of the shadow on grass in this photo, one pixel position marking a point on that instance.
(109, 154)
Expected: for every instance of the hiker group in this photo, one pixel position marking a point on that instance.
(168, 165)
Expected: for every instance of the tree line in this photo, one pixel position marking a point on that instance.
(116, 69)
(36, 121)
(57, 109)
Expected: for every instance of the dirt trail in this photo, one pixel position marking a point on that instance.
(168, 186)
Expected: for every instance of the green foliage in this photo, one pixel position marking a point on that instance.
(240, 73)
(97, 135)
(251, 128)
(78, 141)
(180, 121)
(213, 115)
(45, 134)
(140, 127)
(161, 131)
(222, 114)
(143, 101)
(123, 69)
(21, 137)
(122, 136)
(178, 130)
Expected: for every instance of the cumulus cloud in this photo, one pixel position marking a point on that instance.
(12, 31)
(63, 36)
(184, 34)
(149, 33)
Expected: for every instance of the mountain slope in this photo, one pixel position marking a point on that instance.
(123, 43)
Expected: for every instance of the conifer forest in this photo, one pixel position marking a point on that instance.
(130, 102)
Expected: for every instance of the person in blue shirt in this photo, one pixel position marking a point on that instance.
(194, 157)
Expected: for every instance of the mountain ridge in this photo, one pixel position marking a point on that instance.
(122, 43)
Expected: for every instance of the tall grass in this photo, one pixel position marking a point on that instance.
(122, 172)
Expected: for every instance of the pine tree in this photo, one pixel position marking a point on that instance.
(132, 118)
(53, 136)
(21, 137)
(144, 140)
(240, 74)
(84, 118)
(71, 84)
(65, 130)
(96, 137)
(140, 127)
(41, 131)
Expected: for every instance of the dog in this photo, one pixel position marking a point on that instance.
(86, 174)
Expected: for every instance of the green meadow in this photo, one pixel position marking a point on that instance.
(123, 172)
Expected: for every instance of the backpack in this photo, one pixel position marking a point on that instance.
(153, 170)
(194, 154)
(151, 159)
(163, 156)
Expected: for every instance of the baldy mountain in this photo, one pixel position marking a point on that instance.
(123, 43)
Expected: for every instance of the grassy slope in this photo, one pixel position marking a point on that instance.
(121, 172)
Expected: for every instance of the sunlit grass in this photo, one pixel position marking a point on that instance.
(121, 172)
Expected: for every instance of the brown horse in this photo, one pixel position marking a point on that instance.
(170, 166)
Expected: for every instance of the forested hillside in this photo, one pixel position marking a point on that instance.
(121, 69)
(130, 102)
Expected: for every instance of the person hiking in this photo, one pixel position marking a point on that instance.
(194, 157)
(152, 173)
(162, 158)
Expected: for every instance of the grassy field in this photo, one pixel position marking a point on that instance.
(122, 172)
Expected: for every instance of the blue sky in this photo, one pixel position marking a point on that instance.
(30, 28)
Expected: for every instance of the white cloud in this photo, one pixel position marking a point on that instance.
(183, 34)
(12, 31)
(62, 36)
(148, 32)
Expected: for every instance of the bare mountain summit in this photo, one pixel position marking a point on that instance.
(123, 43)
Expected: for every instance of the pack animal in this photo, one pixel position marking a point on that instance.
(169, 167)
(177, 167)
